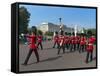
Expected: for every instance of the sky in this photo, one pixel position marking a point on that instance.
(81, 17)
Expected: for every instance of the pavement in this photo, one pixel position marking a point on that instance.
(50, 60)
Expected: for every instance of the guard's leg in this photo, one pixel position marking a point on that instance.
(36, 54)
(87, 57)
(59, 49)
(28, 56)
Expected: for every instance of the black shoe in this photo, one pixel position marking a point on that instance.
(53, 47)
(58, 53)
(37, 61)
(57, 47)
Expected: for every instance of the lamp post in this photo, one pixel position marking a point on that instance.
(60, 20)
(61, 25)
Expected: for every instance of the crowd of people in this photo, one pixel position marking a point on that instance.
(72, 43)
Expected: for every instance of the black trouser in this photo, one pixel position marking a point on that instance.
(78, 46)
(82, 48)
(61, 47)
(29, 54)
(40, 43)
(75, 47)
(67, 45)
(89, 56)
(72, 47)
(55, 44)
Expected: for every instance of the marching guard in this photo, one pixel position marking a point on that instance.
(32, 46)
(89, 48)
(78, 42)
(82, 43)
(61, 42)
(75, 42)
(72, 47)
(67, 42)
(56, 40)
(39, 41)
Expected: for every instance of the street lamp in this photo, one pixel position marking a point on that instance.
(60, 20)
(61, 25)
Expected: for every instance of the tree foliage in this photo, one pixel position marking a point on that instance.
(24, 16)
(91, 32)
(39, 32)
(49, 33)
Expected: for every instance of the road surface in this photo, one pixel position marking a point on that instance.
(50, 60)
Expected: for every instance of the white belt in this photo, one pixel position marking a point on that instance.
(90, 44)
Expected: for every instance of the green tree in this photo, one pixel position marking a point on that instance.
(66, 33)
(91, 32)
(29, 30)
(39, 32)
(24, 16)
(49, 33)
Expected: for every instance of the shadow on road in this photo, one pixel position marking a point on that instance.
(49, 59)
(47, 48)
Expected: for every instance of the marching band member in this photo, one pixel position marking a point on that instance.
(39, 41)
(78, 42)
(75, 42)
(90, 48)
(67, 42)
(61, 42)
(56, 40)
(72, 43)
(82, 43)
(32, 46)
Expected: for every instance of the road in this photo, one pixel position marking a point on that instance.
(50, 60)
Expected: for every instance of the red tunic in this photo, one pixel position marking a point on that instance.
(89, 47)
(66, 39)
(91, 41)
(69, 40)
(76, 40)
(61, 40)
(39, 38)
(83, 41)
(56, 38)
(72, 40)
(32, 41)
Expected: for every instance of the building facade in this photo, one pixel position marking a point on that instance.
(50, 27)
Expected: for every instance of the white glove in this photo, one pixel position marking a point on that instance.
(22, 34)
